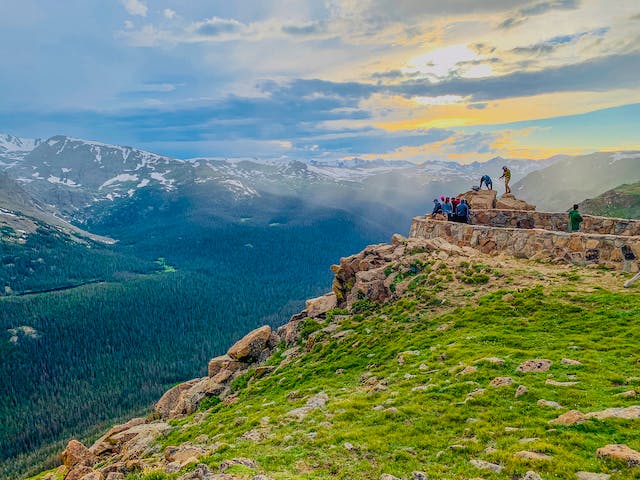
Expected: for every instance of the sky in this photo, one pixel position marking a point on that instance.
(416, 80)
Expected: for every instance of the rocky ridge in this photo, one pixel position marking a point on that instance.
(383, 274)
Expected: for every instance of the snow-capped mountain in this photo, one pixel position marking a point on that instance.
(15, 148)
(75, 175)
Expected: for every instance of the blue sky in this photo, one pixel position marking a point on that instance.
(336, 79)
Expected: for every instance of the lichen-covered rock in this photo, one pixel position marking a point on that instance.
(251, 346)
(620, 452)
(535, 365)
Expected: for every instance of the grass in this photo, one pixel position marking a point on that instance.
(420, 417)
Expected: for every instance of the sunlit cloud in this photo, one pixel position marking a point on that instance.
(135, 7)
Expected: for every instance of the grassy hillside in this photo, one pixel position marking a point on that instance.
(620, 202)
(569, 180)
(410, 384)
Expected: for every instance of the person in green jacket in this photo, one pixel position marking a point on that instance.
(574, 219)
(506, 174)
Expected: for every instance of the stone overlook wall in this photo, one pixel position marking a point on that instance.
(616, 251)
(553, 221)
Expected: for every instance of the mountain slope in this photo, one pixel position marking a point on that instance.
(447, 379)
(619, 202)
(572, 179)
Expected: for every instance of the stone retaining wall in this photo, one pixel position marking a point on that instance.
(620, 252)
(554, 221)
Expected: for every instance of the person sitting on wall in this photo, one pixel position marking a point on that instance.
(437, 208)
(462, 213)
(486, 179)
(575, 219)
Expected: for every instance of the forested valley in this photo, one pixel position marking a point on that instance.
(177, 289)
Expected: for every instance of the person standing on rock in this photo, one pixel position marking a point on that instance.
(506, 174)
(575, 219)
(486, 179)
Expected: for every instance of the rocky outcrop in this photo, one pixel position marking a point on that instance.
(481, 199)
(508, 201)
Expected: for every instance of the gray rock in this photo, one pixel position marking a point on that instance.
(484, 465)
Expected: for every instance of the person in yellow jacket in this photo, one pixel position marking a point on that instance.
(506, 174)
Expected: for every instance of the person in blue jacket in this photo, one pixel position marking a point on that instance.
(486, 179)
(462, 212)
(437, 207)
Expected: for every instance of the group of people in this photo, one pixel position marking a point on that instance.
(457, 209)
(451, 208)
(486, 180)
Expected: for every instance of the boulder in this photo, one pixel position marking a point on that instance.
(185, 452)
(628, 413)
(321, 305)
(508, 201)
(95, 475)
(77, 454)
(501, 382)
(105, 445)
(189, 400)
(480, 200)
(115, 476)
(171, 397)
(535, 365)
(528, 455)
(250, 347)
(569, 418)
(78, 472)
(620, 452)
(246, 462)
(592, 476)
(223, 362)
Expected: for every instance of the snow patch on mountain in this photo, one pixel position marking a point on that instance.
(123, 177)
(166, 182)
(62, 181)
(240, 189)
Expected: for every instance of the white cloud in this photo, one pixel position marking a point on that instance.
(168, 13)
(128, 24)
(135, 7)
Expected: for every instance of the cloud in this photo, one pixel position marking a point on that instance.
(135, 7)
(556, 42)
(158, 87)
(540, 8)
(168, 13)
(305, 29)
(477, 106)
(216, 26)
